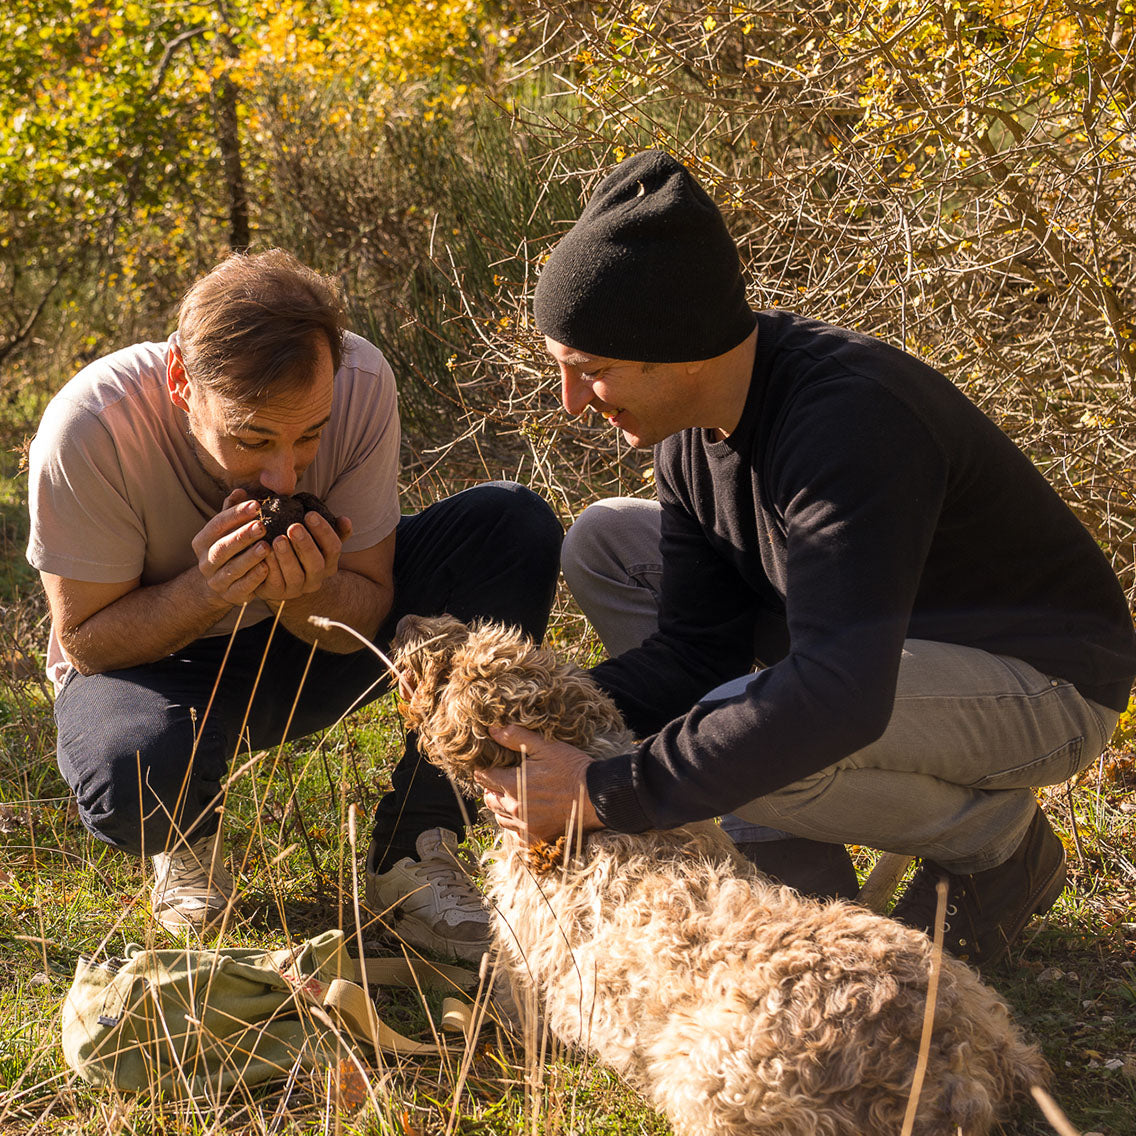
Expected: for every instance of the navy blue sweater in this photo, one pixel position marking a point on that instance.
(861, 500)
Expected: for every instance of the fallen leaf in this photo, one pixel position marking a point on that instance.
(11, 819)
(350, 1085)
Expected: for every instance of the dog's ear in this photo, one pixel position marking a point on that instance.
(459, 729)
(580, 711)
(424, 652)
(480, 693)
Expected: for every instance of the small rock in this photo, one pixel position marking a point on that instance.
(1051, 974)
(39, 979)
(1114, 1063)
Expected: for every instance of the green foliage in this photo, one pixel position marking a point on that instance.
(136, 141)
(106, 111)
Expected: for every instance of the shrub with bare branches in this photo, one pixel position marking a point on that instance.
(958, 182)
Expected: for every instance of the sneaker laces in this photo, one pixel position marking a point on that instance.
(451, 880)
(193, 872)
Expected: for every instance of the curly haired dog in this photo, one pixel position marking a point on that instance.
(732, 1003)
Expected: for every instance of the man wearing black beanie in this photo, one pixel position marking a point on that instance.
(934, 632)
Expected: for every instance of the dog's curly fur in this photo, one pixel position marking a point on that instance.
(484, 686)
(733, 1004)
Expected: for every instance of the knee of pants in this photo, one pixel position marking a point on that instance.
(609, 539)
(529, 518)
(518, 529)
(132, 799)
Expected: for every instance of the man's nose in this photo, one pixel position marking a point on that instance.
(575, 393)
(280, 476)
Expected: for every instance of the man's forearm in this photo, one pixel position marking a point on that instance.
(145, 625)
(346, 597)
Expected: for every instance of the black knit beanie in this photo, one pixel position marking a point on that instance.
(649, 272)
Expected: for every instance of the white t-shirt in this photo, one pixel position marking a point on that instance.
(116, 491)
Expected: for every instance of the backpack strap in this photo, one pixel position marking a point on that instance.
(400, 971)
(349, 1003)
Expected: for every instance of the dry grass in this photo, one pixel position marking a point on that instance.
(289, 823)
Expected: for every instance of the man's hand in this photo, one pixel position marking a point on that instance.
(304, 560)
(231, 555)
(552, 790)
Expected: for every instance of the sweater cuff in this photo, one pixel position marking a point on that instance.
(611, 789)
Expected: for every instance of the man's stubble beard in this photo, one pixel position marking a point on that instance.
(208, 465)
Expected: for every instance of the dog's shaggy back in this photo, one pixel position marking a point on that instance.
(738, 1007)
(735, 1005)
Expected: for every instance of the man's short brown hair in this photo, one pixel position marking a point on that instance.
(250, 329)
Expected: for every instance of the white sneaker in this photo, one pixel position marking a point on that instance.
(431, 903)
(192, 886)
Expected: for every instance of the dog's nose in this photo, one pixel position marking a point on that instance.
(405, 628)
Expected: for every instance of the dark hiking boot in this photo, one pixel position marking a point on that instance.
(811, 867)
(988, 910)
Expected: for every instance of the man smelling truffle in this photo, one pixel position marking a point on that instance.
(162, 479)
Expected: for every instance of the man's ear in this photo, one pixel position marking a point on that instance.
(177, 381)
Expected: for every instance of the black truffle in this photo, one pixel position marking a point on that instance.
(278, 511)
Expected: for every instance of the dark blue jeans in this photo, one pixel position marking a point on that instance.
(126, 738)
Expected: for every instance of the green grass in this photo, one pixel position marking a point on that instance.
(63, 893)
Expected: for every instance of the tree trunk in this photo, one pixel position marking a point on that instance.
(225, 101)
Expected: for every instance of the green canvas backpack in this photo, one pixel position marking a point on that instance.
(189, 1022)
